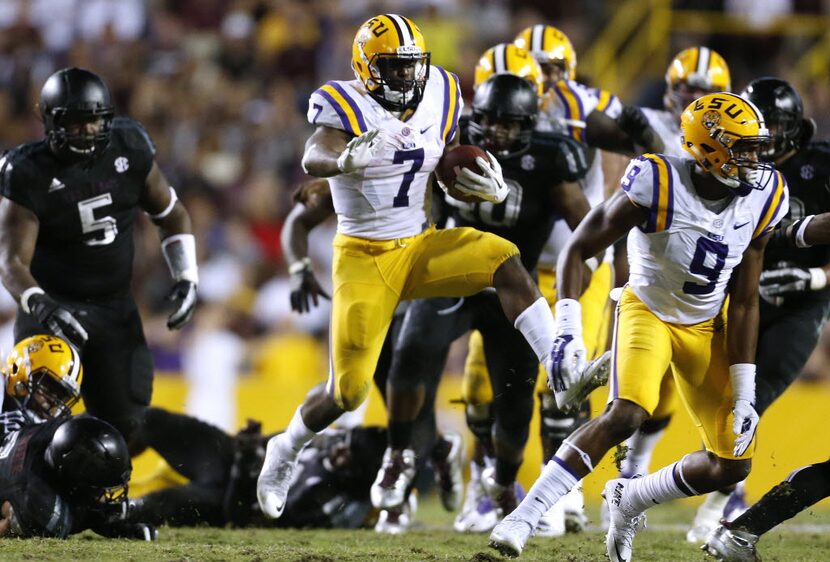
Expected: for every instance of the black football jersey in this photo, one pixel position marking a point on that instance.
(808, 178)
(86, 211)
(527, 216)
(25, 482)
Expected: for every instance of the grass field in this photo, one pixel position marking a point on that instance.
(807, 538)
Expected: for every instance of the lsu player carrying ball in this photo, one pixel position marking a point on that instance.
(701, 227)
(379, 137)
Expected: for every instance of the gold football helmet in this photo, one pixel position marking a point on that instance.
(726, 135)
(694, 72)
(44, 373)
(551, 48)
(389, 56)
(506, 58)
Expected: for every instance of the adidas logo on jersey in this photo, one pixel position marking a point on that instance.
(56, 185)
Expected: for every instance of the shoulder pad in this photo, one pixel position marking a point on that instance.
(19, 173)
(134, 135)
(649, 183)
(334, 105)
(559, 155)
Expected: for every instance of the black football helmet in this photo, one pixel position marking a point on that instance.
(783, 112)
(91, 460)
(72, 97)
(504, 114)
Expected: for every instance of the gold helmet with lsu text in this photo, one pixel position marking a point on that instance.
(549, 45)
(44, 374)
(694, 72)
(507, 58)
(390, 58)
(726, 135)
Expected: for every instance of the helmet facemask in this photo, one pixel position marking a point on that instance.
(503, 135)
(552, 72)
(79, 134)
(397, 81)
(680, 94)
(785, 130)
(49, 398)
(743, 170)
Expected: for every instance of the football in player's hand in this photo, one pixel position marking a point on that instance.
(462, 156)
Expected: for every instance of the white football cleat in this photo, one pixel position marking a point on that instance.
(623, 522)
(397, 520)
(706, 520)
(510, 535)
(573, 503)
(478, 514)
(275, 478)
(449, 474)
(594, 376)
(731, 545)
(394, 478)
(552, 523)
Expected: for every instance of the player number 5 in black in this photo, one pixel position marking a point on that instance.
(103, 229)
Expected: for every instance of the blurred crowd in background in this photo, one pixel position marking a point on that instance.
(222, 87)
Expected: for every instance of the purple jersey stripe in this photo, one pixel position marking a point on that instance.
(769, 202)
(670, 202)
(651, 223)
(344, 119)
(446, 109)
(352, 104)
(456, 109)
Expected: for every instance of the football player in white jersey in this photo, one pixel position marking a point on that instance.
(701, 227)
(378, 139)
(692, 73)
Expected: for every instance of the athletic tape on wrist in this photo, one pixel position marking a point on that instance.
(26, 295)
(802, 228)
(179, 252)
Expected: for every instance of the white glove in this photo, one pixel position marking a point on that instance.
(745, 420)
(744, 425)
(359, 152)
(567, 358)
(490, 186)
(786, 280)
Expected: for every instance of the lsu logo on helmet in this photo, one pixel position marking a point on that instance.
(389, 57)
(549, 45)
(507, 58)
(725, 134)
(46, 366)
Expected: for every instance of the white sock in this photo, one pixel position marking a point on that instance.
(296, 435)
(640, 448)
(538, 327)
(556, 480)
(666, 484)
(476, 470)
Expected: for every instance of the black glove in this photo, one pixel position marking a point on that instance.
(783, 281)
(634, 123)
(58, 319)
(304, 291)
(183, 294)
(127, 530)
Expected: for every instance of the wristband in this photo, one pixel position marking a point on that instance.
(26, 295)
(300, 266)
(179, 252)
(569, 316)
(799, 233)
(818, 279)
(742, 376)
(167, 210)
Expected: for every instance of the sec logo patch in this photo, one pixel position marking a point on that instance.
(121, 164)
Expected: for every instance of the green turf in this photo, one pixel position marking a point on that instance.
(432, 541)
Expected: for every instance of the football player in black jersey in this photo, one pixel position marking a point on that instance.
(64, 476)
(795, 297)
(66, 241)
(539, 169)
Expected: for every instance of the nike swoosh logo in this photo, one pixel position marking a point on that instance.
(426, 129)
(737, 226)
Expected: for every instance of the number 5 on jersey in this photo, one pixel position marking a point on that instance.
(105, 228)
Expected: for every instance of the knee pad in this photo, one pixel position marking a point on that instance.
(556, 425)
(480, 421)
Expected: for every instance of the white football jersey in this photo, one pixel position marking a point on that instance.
(682, 256)
(564, 111)
(667, 127)
(387, 199)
